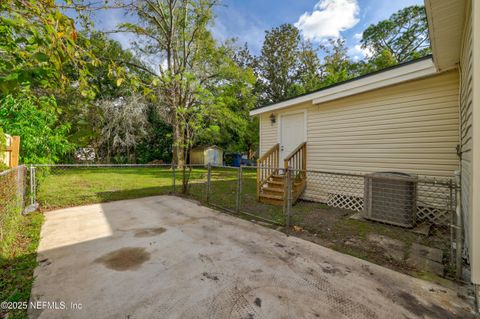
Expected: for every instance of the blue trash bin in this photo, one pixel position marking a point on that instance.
(237, 159)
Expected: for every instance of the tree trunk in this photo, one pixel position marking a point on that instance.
(178, 145)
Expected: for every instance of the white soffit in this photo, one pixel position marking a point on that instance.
(446, 20)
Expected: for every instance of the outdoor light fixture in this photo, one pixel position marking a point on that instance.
(273, 119)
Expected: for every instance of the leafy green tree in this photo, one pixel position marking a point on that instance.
(157, 145)
(197, 79)
(232, 98)
(36, 42)
(36, 121)
(400, 38)
(278, 63)
(337, 66)
(310, 72)
(112, 79)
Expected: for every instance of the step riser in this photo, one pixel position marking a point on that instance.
(271, 201)
(272, 192)
(274, 185)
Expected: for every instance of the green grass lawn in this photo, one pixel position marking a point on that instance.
(72, 186)
(18, 262)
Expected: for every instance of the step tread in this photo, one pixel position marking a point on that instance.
(273, 189)
(271, 196)
(275, 182)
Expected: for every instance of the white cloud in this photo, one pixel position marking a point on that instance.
(357, 52)
(357, 36)
(328, 19)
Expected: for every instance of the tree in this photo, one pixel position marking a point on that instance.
(310, 71)
(278, 63)
(228, 119)
(36, 41)
(402, 37)
(124, 125)
(337, 66)
(175, 33)
(36, 121)
(112, 78)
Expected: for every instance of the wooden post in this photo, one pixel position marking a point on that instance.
(258, 180)
(15, 153)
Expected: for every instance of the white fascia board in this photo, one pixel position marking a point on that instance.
(397, 75)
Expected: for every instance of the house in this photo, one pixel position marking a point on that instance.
(420, 117)
(204, 155)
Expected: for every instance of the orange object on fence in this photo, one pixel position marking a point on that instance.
(13, 151)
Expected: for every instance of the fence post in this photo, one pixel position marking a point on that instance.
(452, 210)
(288, 198)
(458, 228)
(33, 188)
(239, 190)
(209, 179)
(174, 179)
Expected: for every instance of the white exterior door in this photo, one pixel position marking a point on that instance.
(292, 133)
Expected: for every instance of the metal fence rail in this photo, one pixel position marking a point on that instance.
(345, 211)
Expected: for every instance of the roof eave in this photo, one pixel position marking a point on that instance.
(390, 77)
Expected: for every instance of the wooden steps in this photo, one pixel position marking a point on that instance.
(271, 185)
(273, 192)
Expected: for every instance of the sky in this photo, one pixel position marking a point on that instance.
(318, 20)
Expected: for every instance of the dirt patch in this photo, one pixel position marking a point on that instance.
(379, 243)
(128, 258)
(149, 232)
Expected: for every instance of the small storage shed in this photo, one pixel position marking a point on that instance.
(204, 155)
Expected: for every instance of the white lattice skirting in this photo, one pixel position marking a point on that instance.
(434, 215)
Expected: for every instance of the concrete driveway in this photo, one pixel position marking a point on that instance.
(167, 257)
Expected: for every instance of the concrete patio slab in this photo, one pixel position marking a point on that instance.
(167, 257)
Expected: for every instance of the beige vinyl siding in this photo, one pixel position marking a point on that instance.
(411, 127)
(268, 133)
(466, 103)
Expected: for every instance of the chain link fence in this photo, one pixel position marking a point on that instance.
(361, 213)
(338, 208)
(13, 194)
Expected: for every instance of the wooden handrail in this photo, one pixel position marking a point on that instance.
(267, 166)
(294, 152)
(297, 160)
(274, 148)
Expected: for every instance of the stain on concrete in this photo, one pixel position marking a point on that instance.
(128, 258)
(205, 258)
(149, 232)
(280, 245)
(258, 302)
(44, 262)
(367, 269)
(412, 304)
(330, 270)
(210, 276)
